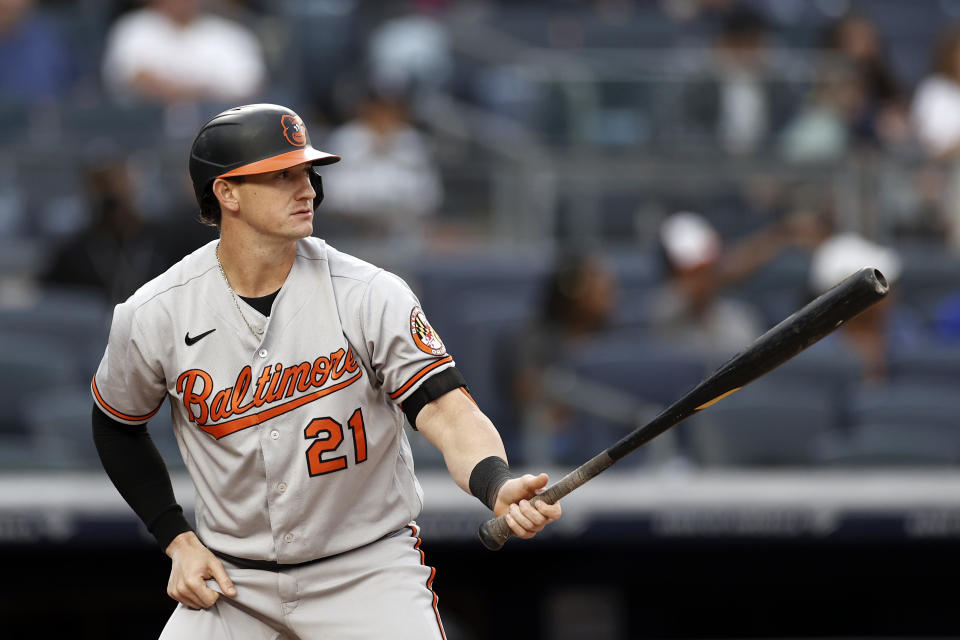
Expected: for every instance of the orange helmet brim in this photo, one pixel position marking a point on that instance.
(283, 161)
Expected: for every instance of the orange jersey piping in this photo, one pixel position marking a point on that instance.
(419, 374)
(118, 414)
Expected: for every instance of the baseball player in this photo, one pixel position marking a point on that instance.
(290, 367)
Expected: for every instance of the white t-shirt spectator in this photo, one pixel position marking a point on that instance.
(392, 176)
(936, 114)
(218, 58)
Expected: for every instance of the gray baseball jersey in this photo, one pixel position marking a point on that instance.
(294, 437)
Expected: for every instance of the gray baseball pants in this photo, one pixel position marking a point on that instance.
(381, 590)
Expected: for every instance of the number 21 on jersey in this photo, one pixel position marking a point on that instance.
(327, 435)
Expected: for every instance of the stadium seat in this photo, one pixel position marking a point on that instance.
(632, 362)
(933, 363)
(764, 424)
(19, 452)
(826, 367)
(72, 321)
(779, 288)
(21, 256)
(28, 366)
(946, 319)
(14, 123)
(130, 127)
(885, 445)
(638, 273)
(929, 277)
(444, 283)
(59, 421)
(905, 403)
(60, 425)
(490, 326)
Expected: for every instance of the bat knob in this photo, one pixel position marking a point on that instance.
(492, 536)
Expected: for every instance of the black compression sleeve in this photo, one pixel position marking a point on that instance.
(136, 469)
(431, 389)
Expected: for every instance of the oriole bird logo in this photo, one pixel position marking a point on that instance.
(294, 130)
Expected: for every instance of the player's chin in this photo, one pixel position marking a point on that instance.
(301, 224)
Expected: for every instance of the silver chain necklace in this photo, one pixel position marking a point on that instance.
(256, 332)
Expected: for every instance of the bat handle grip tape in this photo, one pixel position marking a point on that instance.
(495, 532)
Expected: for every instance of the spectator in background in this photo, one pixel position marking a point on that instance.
(118, 250)
(690, 309)
(936, 104)
(868, 337)
(387, 185)
(821, 129)
(855, 102)
(579, 298)
(935, 115)
(880, 116)
(410, 53)
(735, 104)
(173, 51)
(36, 63)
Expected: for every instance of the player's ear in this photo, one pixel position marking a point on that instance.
(226, 193)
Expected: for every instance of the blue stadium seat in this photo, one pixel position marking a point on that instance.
(130, 127)
(631, 361)
(73, 321)
(14, 123)
(929, 277)
(480, 347)
(933, 363)
(54, 197)
(826, 366)
(779, 288)
(638, 272)
(635, 267)
(905, 403)
(29, 366)
(21, 256)
(946, 319)
(884, 445)
(443, 284)
(19, 451)
(764, 424)
(59, 422)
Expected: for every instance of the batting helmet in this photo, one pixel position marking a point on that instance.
(254, 138)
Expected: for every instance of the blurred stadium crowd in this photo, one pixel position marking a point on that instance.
(597, 202)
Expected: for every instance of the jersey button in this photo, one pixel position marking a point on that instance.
(282, 487)
(288, 538)
(274, 434)
(262, 353)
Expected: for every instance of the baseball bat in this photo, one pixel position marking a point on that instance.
(785, 340)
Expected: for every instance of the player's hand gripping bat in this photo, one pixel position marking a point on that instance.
(773, 348)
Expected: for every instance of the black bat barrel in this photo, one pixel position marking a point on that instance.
(818, 318)
(791, 336)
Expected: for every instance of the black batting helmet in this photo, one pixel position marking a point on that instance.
(254, 138)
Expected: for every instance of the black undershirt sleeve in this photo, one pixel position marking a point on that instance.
(137, 470)
(431, 389)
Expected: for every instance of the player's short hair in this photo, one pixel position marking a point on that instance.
(210, 206)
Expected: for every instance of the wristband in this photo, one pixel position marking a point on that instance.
(487, 478)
